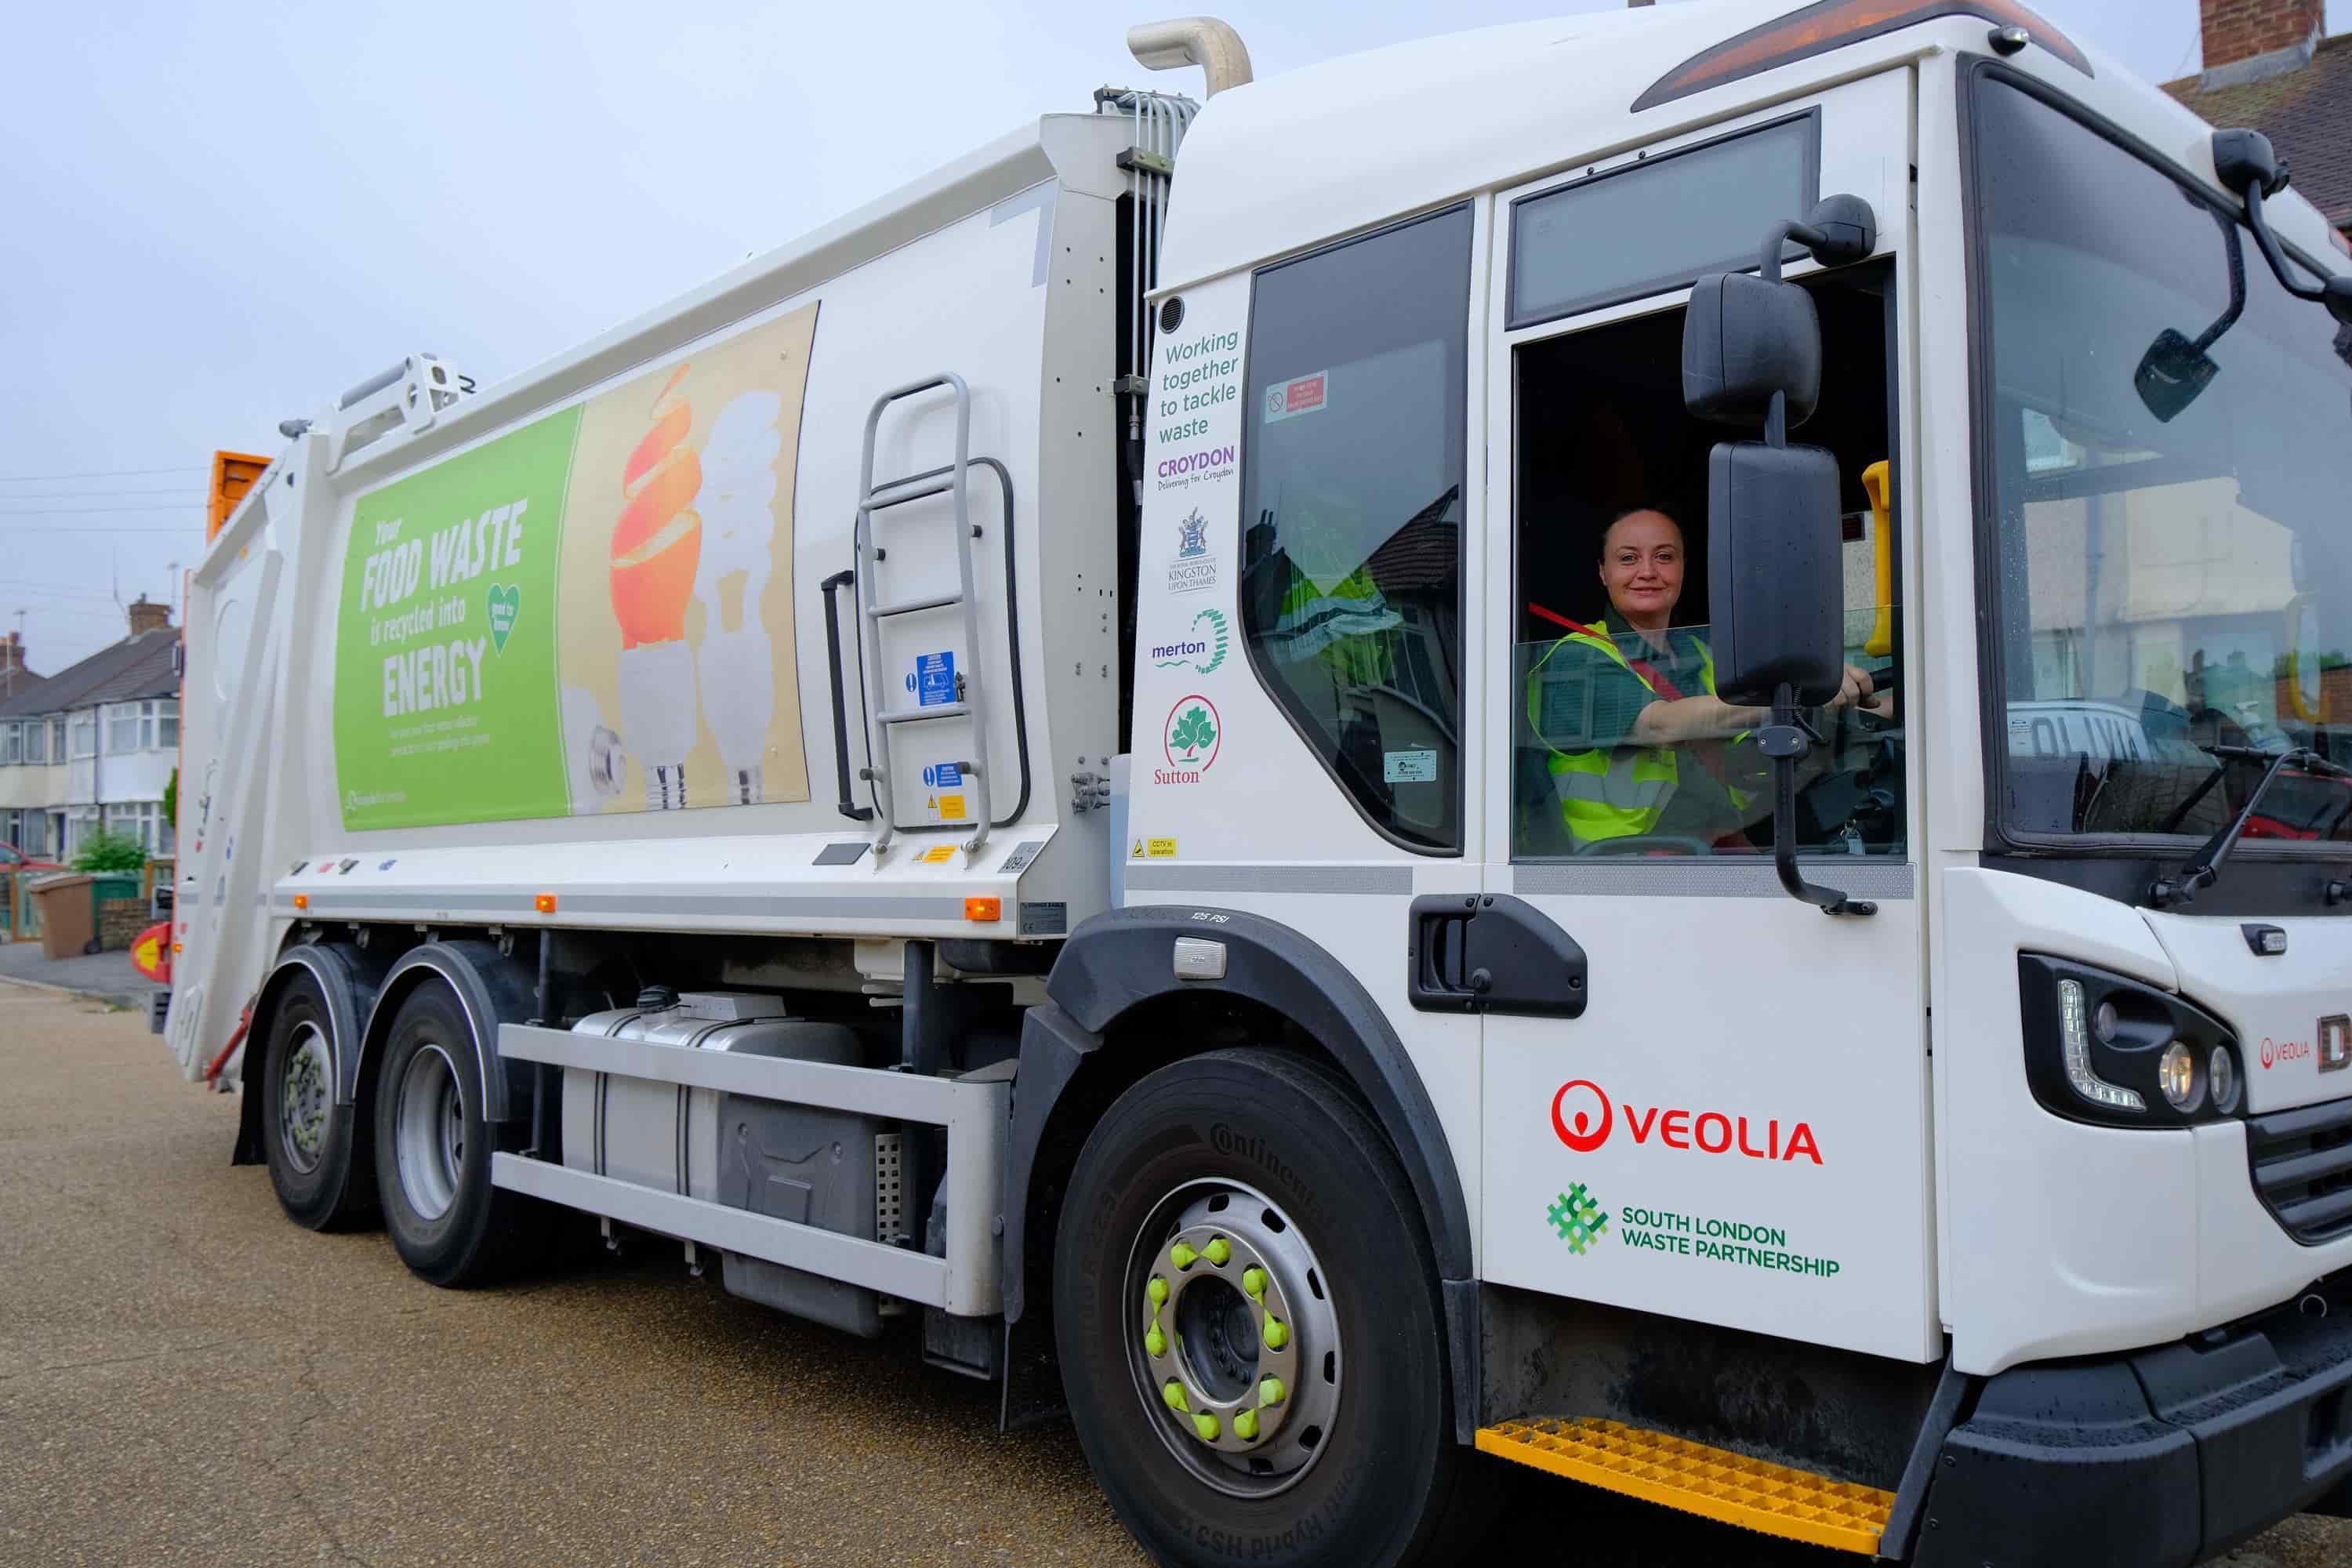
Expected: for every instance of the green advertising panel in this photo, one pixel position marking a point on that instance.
(445, 657)
(591, 613)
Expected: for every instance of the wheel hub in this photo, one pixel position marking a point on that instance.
(429, 1131)
(1232, 1337)
(302, 1102)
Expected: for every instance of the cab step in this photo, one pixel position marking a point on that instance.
(1713, 1483)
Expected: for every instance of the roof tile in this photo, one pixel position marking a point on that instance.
(2308, 115)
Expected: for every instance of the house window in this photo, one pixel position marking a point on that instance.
(80, 822)
(57, 740)
(84, 734)
(142, 726)
(12, 743)
(145, 822)
(37, 739)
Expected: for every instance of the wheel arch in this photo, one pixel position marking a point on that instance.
(349, 980)
(491, 990)
(1115, 979)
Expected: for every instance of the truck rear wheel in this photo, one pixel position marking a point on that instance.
(1251, 1335)
(323, 1179)
(433, 1149)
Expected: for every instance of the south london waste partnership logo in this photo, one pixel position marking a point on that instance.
(1577, 1220)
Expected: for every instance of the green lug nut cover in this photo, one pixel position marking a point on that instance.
(1219, 1251)
(1157, 1290)
(1253, 1282)
(1206, 1425)
(1269, 1391)
(1154, 1340)
(1173, 1393)
(1245, 1425)
(1277, 1334)
(1182, 1255)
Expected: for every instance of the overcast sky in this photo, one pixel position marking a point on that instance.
(220, 215)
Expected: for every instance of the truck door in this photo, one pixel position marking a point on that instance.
(1735, 1129)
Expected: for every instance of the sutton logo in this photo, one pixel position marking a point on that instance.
(1583, 1118)
(1190, 740)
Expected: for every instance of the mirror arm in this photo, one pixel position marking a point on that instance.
(1786, 742)
(2270, 247)
(1778, 237)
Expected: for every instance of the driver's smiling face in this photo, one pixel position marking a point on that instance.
(1642, 566)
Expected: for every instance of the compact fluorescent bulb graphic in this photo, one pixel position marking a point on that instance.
(735, 665)
(655, 548)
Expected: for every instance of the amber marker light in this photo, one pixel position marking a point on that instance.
(544, 903)
(1832, 25)
(301, 901)
(983, 908)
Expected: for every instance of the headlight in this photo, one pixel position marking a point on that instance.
(2176, 1074)
(2104, 1048)
(2221, 1078)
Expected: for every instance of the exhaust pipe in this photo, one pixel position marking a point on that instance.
(1183, 41)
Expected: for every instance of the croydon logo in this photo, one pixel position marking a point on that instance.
(1583, 1118)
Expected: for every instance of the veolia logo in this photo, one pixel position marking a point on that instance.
(1582, 1132)
(1583, 1118)
(2277, 1051)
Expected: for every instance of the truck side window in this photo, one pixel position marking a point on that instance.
(1619, 744)
(1351, 507)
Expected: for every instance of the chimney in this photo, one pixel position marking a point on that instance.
(147, 617)
(2246, 41)
(12, 652)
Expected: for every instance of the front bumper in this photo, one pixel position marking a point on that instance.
(2163, 1458)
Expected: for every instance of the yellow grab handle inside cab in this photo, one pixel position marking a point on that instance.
(1881, 548)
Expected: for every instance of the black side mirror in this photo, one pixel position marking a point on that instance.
(1775, 572)
(1745, 342)
(1752, 354)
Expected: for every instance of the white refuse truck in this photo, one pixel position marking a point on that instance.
(1616, 744)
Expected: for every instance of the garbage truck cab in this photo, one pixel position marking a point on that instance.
(1618, 743)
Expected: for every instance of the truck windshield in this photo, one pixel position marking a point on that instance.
(2173, 593)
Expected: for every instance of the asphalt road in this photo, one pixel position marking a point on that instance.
(186, 1378)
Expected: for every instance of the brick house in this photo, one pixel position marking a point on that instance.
(94, 745)
(2269, 65)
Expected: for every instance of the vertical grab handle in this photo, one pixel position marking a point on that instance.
(849, 806)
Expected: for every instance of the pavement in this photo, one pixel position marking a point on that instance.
(187, 1378)
(107, 974)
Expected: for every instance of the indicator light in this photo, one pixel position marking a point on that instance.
(2176, 1074)
(544, 902)
(2075, 1036)
(983, 908)
(301, 901)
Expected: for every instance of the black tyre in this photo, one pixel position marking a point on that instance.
(1251, 1335)
(433, 1151)
(319, 1164)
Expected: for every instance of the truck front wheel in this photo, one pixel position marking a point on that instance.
(432, 1148)
(323, 1178)
(1251, 1336)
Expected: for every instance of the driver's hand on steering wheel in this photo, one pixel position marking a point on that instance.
(1855, 690)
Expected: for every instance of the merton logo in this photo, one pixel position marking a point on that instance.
(1577, 1220)
(1583, 1118)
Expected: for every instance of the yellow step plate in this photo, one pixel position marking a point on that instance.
(1710, 1482)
